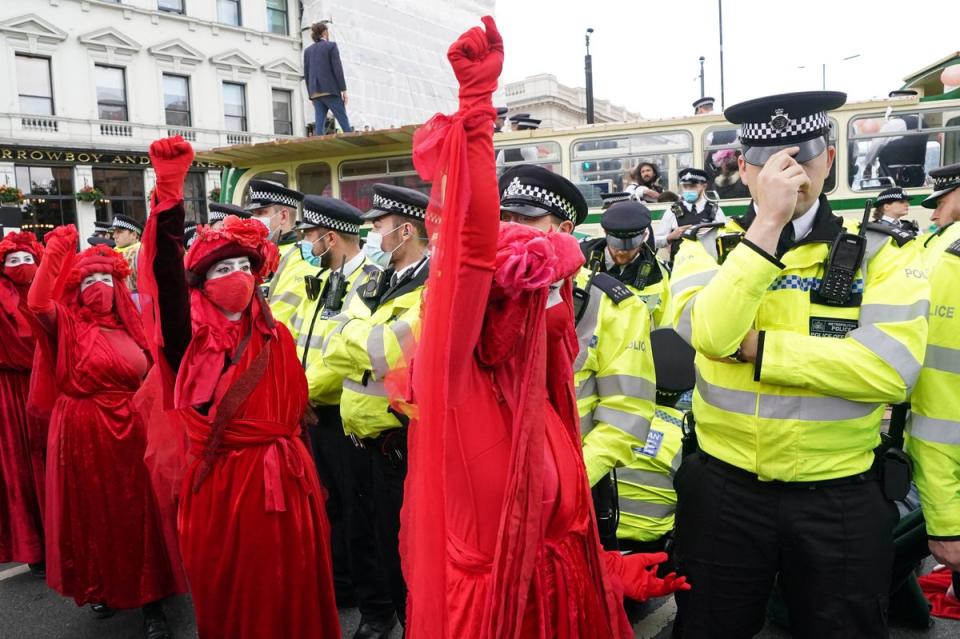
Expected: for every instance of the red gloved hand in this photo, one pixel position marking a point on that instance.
(640, 581)
(61, 246)
(171, 159)
(477, 59)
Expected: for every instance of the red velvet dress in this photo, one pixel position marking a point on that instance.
(104, 539)
(21, 436)
(253, 532)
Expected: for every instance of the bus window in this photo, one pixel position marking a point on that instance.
(358, 177)
(546, 154)
(901, 150)
(280, 177)
(314, 179)
(600, 165)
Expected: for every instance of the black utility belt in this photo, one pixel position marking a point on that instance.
(869, 475)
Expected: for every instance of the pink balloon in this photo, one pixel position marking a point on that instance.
(951, 76)
(869, 126)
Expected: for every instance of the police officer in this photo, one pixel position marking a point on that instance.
(331, 231)
(703, 106)
(126, 235)
(275, 206)
(694, 208)
(501, 119)
(102, 230)
(378, 334)
(609, 199)
(797, 356)
(626, 254)
(892, 206)
(219, 212)
(934, 426)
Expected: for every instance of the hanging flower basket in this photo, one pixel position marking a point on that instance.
(89, 194)
(11, 195)
(214, 194)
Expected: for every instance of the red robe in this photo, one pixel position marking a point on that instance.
(253, 531)
(104, 539)
(21, 436)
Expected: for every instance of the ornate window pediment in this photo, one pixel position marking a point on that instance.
(109, 45)
(32, 34)
(176, 55)
(283, 69)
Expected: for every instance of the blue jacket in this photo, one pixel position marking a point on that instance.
(322, 70)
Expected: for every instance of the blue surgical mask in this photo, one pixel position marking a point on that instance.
(690, 196)
(374, 248)
(306, 252)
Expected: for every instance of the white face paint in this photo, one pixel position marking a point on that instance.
(228, 266)
(16, 258)
(93, 278)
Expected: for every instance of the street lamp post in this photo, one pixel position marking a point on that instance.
(588, 72)
(702, 90)
(823, 69)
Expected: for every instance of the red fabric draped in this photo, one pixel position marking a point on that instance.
(935, 586)
(21, 437)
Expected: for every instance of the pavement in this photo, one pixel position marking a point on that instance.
(30, 610)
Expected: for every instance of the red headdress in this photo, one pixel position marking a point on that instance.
(10, 298)
(22, 241)
(214, 336)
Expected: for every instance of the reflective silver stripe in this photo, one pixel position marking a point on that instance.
(943, 359)
(879, 313)
(875, 242)
(377, 350)
(799, 407)
(675, 463)
(649, 478)
(698, 279)
(404, 335)
(889, 350)
(645, 508)
(341, 321)
(627, 422)
(685, 323)
(295, 322)
(586, 328)
(289, 297)
(276, 276)
(931, 429)
(629, 385)
(709, 242)
(587, 388)
(373, 388)
(316, 341)
(586, 423)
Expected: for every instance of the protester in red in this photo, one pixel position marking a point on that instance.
(496, 468)
(103, 540)
(253, 529)
(21, 446)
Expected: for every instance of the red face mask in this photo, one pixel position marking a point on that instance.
(98, 297)
(231, 292)
(22, 274)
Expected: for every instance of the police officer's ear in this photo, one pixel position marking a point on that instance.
(566, 227)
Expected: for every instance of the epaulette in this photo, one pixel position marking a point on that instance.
(694, 231)
(899, 236)
(612, 287)
(954, 249)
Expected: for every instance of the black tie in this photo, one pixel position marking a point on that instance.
(786, 241)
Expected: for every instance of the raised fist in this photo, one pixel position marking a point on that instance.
(171, 159)
(477, 59)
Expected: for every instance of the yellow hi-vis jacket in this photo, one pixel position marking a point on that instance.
(648, 500)
(364, 350)
(614, 376)
(656, 294)
(934, 427)
(312, 322)
(286, 292)
(810, 408)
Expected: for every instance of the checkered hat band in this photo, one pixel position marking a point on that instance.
(401, 208)
(274, 198)
(102, 226)
(315, 217)
(948, 182)
(891, 197)
(764, 131)
(693, 178)
(123, 224)
(517, 192)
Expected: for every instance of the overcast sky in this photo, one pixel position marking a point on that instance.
(645, 54)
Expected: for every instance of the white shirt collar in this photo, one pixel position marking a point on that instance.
(891, 220)
(416, 265)
(804, 224)
(353, 263)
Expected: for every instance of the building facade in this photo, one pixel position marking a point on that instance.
(560, 106)
(394, 55)
(90, 83)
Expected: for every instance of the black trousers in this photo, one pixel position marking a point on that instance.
(388, 453)
(831, 545)
(346, 473)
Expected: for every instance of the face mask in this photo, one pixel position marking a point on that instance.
(373, 249)
(22, 274)
(98, 297)
(690, 196)
(306, 252)
(266, 222)
(232, 293)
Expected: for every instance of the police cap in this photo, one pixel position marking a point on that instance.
(945, 180)
(126, 223)
(266, 193)
(704, 101)
(624, 224)
(330, 213)
(533, 191)
(609, 199)
(219, 212)
(389, 199)
(693, 176)
(894, 194)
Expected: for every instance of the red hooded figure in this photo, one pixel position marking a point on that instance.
(498, 536)
(21, 435)
(104, 544)
(252, 525)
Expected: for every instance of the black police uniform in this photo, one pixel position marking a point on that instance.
(624, 224)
